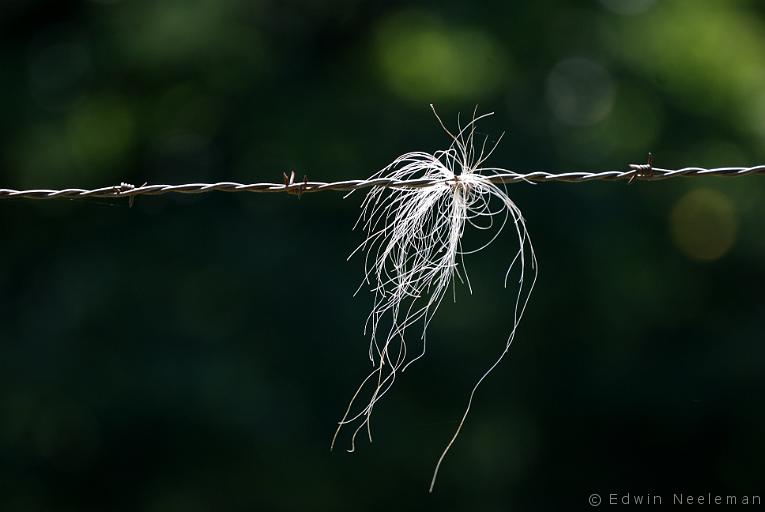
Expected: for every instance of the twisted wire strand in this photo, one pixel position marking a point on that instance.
(638, 172)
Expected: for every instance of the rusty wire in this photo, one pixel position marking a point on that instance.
(637, 172)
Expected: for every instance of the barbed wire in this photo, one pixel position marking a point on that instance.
(638, 172)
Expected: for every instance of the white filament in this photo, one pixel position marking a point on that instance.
(413, 251)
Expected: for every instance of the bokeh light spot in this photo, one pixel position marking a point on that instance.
(722, 70)
(100, 132)
(424, 60)
(580, 92)
(703, 224)
(635, 123)
(211, 35)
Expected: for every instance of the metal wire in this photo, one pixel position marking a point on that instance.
(640, 172)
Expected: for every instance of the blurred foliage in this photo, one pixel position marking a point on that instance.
(426, 60)
(194, 353)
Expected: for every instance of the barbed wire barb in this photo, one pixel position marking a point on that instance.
(636, 172)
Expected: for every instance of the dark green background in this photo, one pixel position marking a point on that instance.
(193, 353)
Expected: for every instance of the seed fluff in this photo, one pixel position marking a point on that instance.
(413, 252)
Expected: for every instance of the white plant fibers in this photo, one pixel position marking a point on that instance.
(413, 252)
